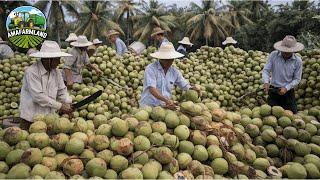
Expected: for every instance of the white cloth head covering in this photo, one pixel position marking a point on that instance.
(288, 44)
(49, 49)
(229, 40)
(96, 41)
(185, 41)
(81, 41)
(166, 51)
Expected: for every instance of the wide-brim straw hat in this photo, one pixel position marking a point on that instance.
(2, 41)
(71, 37)
(156, 31)
(288, 44)
(81, 41)
(229, 40)
(112, 32)
(185, 41)
(96, 41)
(49, 49)
(166, 51)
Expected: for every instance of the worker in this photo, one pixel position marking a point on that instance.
(71, 38)
(229, 41)
(43, 90)
(119, 45)
(93, 48)
(286, 69)
(158, 35)
(73, 65)
(160, 78)
(5, 50)
(184, 46)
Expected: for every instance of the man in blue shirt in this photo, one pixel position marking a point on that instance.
(283, 71)
(158, 35)
(120, 46)
(160, 78)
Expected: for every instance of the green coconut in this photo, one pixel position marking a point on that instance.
(80, 125)
(48, 152)
(106, 155)
(252, 130)
(40, 170)
(165, 175)
(118, 163)
(150, 170)
(261, 164)
(4, 168)
(268, 135)
(198, 138)
(303, 135)
(39, 140)
(14, 157)
(200, 153)
(172, 167)
(156, 139)
(159, 127)
(100, 142)
(140, 157)
(272, 150)
(23, 145)
(183, 160)
(290, 132)
(19, 171)
(38, 127)
(104, 129)
(250, 155)
(98, 120)
(184, 120)
(111, 174)
(72, 167)
(32, 156)
(265, 110)
(302, 149)
(311, 158)
(74, 146)
(96, 167)
(296, 171)
(315, 139)
(277, 111)
(59, 141)
(143, 128)
(220, 166)
(186, 147)
(312, 129)
(132, 173)
(238, 150)
(158, 113)
(81, 136)
(284, 121)
(63, 125)
(120, 127)
(60, 158)
(182, 132)
(13, 135)
(141, 115)
(132, 123)
(55, 175)
(312, 171)
(270, 120)
(172, 119)
(50, 162)
(214, 152)
(164, 155)
(171, 141)
(141, 143)
(87, 155)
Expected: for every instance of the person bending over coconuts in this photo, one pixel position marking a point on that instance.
(43, 90)
(160, 78)
(73, 65)
(286, 70)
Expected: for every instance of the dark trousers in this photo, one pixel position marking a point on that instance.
(286, 101)
(24, 124)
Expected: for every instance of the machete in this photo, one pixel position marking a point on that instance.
(87, 100)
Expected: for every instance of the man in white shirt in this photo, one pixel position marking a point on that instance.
(120, 46)
(43, 90)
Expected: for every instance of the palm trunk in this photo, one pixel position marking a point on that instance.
(128, 28)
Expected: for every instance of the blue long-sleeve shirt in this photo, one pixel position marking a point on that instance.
(283, 73)
(154, 77)
(121, 47)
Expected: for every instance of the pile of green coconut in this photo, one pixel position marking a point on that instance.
(199, 140)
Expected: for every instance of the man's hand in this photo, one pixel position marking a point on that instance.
(99, 72)
(170, 104)
(69, 84)
(65, 108)
(196, 89)
(282, 91)
(266, 87)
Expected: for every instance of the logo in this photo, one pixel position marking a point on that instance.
(26, 26)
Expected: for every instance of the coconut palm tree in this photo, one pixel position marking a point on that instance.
(127, 8)
(153, 15)
(56, 12)
(238, 15)
(95, 19)
(256, 8)
(205, 22)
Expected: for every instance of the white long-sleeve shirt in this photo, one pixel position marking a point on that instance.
(42, 92)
